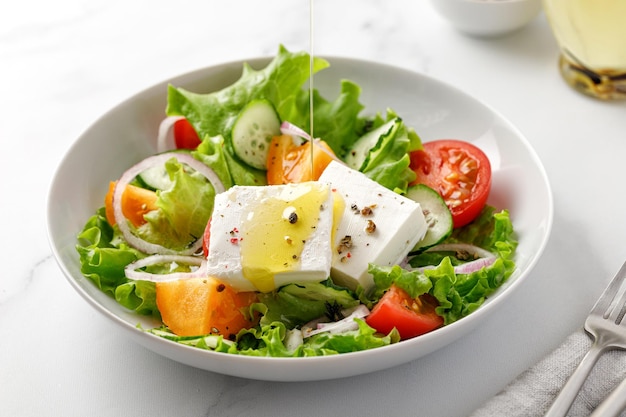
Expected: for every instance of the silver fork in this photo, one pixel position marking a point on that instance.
(607, 327)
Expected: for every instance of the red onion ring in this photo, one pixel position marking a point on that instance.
(462, 247)
(132, 272)
(165, 138)
(484, 258)
(288, 128)
(344, 325)
(131, 173)
(473, 266)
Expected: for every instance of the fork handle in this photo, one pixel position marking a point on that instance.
(566, 397)
(614, 404)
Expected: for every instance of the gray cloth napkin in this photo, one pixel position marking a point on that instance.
(534, 390)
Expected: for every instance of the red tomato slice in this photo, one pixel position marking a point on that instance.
(206, 239)
(459, 171)
(411, 317)
(185, 136)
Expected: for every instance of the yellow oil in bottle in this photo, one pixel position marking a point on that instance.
(591, 35)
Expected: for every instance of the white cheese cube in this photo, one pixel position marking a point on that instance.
(377, 226)
(263, 237)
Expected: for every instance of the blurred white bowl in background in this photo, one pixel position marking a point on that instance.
(488, 17)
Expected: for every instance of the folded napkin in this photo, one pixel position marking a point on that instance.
(534, 390)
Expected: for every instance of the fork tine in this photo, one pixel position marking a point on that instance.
(605, 300)
(617, 313)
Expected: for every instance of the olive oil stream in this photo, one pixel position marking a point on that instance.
(311, 65)
(269, 235)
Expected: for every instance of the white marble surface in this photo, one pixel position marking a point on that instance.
(64, 63)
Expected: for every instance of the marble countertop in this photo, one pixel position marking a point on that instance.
(65, 63)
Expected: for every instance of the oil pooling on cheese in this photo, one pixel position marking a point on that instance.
(276, 231)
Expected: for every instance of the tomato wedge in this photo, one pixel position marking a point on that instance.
(136, 203)
(185, 136)
(459, 171)
(206, 239)
(410, 316)
(291, 163)
(199, 306)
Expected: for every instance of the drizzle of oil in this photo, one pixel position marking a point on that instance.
(273, 240)
(311, 65)
(339, 206)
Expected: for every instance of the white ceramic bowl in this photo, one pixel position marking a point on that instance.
(488, 17)
(128, 133)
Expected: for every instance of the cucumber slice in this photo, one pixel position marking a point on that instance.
(437, 215)
(358, 155)
(155, 178)
(252, 132)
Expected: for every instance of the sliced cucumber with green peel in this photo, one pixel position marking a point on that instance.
(357, 158)
(252, 132)
(437, 215)
(155, 178)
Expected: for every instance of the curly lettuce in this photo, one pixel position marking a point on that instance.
(296, 304)
(279, 82)
(103, 258)
(458, 294)
(183, 209)
(271, 340)
(388, 161)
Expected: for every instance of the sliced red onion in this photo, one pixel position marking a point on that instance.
(165, 138)
(288, 128)
(404, 263)
(462, 247)
(473, 266)
(132, 269)
(344, 325)
(130, 174)
(484, 258)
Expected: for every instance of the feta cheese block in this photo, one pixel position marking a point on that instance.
(263, 237)
(376, 226)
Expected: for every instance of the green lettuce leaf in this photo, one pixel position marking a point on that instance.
(279, 82)
(208, 342)
(461, 294)
(296, 304)
(269, 340)
(413, 282)
(491, 230)
(103, 257)
(388, 162)
(212, 152)
(458, 294)
(336, 122)
(139, 296)
(362, 339)
(184, 209)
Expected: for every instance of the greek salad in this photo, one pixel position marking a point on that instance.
(245, 235)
